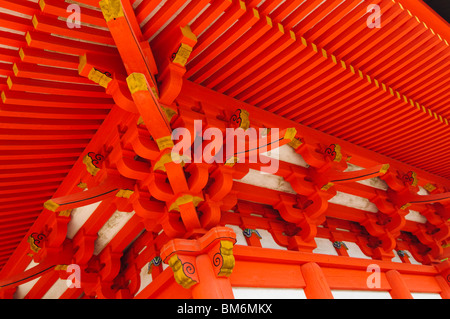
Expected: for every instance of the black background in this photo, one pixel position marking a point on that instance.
(442, 7)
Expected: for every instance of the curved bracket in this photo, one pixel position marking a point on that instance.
(111, 264)
(118, 89)
(172, 225)
(142, 143)
(57, 224)
(171, 83)
(147, 208)
(399, 181)
(84, 247)
(297, 217)
(158, 187)
(198, 177)
(125, 163)
(211, 213)
(223, 183)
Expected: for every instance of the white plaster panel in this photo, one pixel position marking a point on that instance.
(324, 246)
(286, 154)
(267, 240)
(78, 217)
(23, 289)
(55, 291)
(110, 229)
(355, 251)
(240, 238)
(266, 180)
(146, 278)
(416, 217)
(425, 295)
(268, 293)
(375, 182)
(357, 202)
(360, 294)
(396, 259)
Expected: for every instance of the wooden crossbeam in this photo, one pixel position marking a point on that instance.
(58, 88)
(135, 52)
(57, 8)
(110, 187)
(40, 56)
(22, 6)
(52, 112)
(140, 65)
(36, 99)
(46, 41)
(29, 70)
(427, 199)
(16, 23)
(51, 25)
(353, 176)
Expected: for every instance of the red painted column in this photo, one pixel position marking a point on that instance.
(399, 289)
(204, 264)
(316, 283)
(445, 288)
(210, 286)
(443, 278)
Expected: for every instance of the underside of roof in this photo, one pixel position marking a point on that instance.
(317, 63)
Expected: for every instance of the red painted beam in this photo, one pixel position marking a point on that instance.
(60, 9)
(56, 101)
(58, 88)
(41, 40)
(54, 26)
(39, 56)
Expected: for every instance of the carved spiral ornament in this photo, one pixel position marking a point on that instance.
(35, 240)
(217, 260)
(96, 158)
(334, 152)
(188, 268)
(410, 178)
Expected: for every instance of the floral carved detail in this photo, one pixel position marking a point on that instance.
(334, 152)
(240, 118)
(410, 178)
(36, 240)
(93, 162)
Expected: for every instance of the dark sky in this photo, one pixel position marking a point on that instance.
(442, 7)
